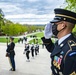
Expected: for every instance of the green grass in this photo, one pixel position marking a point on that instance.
(4, 40)
(16, 40)
(39, 35)
(32, 41)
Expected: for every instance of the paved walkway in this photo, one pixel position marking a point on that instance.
(40, 65)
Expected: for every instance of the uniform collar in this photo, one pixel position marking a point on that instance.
(58, 48)
(63, 38)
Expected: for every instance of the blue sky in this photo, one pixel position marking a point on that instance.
(30, 11)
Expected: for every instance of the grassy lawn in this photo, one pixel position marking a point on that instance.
(39, 35)
(4, 40)
(32, 41)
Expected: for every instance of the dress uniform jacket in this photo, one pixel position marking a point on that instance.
(32, 47)
(10, 49)
(63, 56)
(27, 48)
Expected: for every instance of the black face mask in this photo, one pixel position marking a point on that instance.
(54, 29)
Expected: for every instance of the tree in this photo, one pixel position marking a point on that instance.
(71, 5)
(74, 31)
(1, 20)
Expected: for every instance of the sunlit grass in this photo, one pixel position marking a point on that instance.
(4, 40)
(39, 35)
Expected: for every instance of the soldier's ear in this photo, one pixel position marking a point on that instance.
(64, 24)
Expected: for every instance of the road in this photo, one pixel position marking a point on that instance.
(40, 65)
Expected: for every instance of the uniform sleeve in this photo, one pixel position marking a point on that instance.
(70, 64)
(48, 44)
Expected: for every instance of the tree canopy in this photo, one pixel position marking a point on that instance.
(10, 28)
(71, 5)
(1, 20)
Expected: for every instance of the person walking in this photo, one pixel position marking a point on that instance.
(32, 50)
(36, 49)
(27, 51)
(63, 52)
(10, 53)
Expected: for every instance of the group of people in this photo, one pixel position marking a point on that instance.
(21, 40)
(63, 52)
(10, 52)
(33, 49)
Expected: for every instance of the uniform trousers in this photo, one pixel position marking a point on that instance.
(12, 62)
(32, 53)
(27, 54)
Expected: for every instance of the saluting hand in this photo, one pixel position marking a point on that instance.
(48, 31)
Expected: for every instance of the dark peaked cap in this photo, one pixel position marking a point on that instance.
(64, 15)
(12, 38)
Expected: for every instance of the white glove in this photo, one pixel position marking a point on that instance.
(48, 31)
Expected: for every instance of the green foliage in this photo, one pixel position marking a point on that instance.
(12, 29)
(74, 31)
(9, 28)
(71, 5)
(1, 20)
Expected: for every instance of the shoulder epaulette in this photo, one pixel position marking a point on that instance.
(71, 43)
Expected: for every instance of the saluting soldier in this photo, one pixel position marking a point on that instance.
(63, 52)
(11, 53)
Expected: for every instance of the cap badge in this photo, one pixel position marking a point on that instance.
(64, 18)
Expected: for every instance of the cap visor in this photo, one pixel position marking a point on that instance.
(54, 21)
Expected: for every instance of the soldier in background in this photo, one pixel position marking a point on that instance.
(36, 49)
(32, 50)
(27, 51)
(25, 39)
(10, 53)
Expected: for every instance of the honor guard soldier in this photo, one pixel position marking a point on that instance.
(32, 50)
(63, 52)
(27, 51)
(36, 49)
(10, 53)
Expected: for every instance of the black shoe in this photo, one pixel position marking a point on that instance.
(12, 69)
